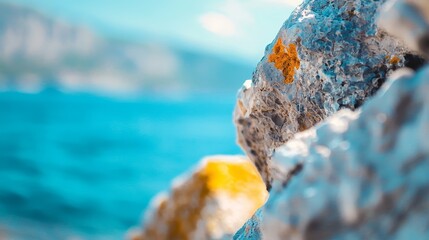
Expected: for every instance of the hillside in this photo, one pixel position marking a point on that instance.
(37, 51)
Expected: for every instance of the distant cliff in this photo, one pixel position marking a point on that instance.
(37, 51)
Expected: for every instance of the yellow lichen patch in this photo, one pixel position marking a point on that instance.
(394, 60)
(236, 181)
(235, 178)
(195, 204)
(285, 59)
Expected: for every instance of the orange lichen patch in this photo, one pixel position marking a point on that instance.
(394, 60)
(179, 215)
(285, 59)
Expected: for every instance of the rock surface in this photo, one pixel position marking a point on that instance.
(361, 175)
(364, 173)
(327, 56)
(252, 229)
(408, 20)
(212, 203)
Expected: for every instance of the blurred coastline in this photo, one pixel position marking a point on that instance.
(38, 52)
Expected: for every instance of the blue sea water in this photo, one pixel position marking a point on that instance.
(78, 166)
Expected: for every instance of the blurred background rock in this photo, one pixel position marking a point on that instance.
(103, 103)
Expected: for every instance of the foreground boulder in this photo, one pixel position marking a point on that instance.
(213, 202)
(364, 174)
(327, 56)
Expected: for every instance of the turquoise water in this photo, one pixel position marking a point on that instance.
(82, 165)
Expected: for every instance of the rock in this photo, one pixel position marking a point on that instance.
(327, 56)
(364, 173)
(359, 175)
(213, 202)
(409, 21)
(251, 230)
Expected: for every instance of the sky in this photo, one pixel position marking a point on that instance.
(237, 29)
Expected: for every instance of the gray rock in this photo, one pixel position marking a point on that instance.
(327, 56)
(364, 174)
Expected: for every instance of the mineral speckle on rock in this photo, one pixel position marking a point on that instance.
(212, 203)
(327, 56)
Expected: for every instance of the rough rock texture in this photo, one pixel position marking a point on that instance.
(327, 56)
(212, 203)
(364, 174)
